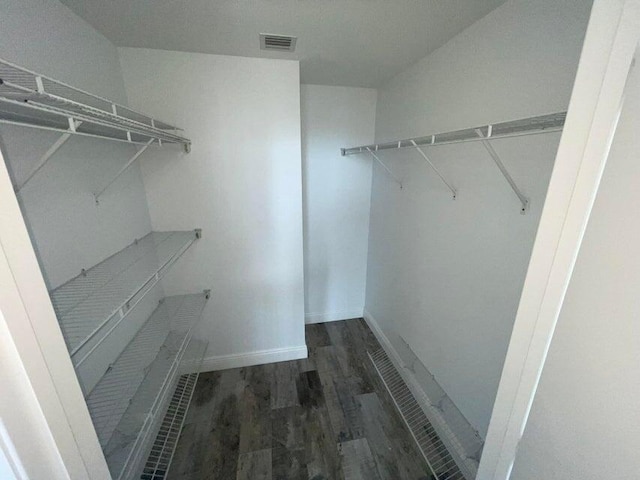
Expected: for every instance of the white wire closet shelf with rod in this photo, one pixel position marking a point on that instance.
(129, 359)
(485, 134)
(30, 99)
(90, 306)
(130, 401)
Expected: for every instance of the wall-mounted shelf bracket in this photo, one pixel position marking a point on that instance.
(123, 169)
(385, 167)
(538, 125)
(73, 125)
(424, 155)
(496, 158)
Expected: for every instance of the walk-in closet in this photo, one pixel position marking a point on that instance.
(287, 240)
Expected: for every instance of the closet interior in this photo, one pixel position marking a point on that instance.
(128, 366)
(305, 259)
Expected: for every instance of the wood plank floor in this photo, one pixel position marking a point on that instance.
(327, 417)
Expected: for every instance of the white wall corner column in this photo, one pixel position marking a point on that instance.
(336, 199)
(595, 106)
(252, 203)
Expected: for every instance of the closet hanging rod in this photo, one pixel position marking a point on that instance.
(33, 100)
(515, 128)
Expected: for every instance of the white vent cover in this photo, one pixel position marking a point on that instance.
(281, 43)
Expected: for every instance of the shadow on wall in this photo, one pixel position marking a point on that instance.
(462, 432)
(15, 181)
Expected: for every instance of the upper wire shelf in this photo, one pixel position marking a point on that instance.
(130, 398)
(33, 100)
(91, 305)
(514, 128)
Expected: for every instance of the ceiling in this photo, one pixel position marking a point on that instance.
(340, 42)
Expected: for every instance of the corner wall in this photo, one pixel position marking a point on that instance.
(445, 276)
(69, 231)
(336, 199)
(241, 183)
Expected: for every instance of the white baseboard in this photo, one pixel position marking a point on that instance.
(393, 354)
(248, 359)
(467, 465)
(331, 316)
(389, 348)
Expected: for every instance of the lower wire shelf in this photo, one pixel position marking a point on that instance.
(163, 448)
(128, 403)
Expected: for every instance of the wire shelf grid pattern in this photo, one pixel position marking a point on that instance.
(30, 99)
(112, 288)
(127, 400)
(528, 126)
(434, 451)
(159, 460)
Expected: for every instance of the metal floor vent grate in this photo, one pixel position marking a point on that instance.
(159, 460)
(434, 451)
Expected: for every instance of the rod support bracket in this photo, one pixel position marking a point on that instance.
(496, 158)
(433, 167)
(207, 294)
(187, 148)
(198, 233)
(385, 167)
(123, 169)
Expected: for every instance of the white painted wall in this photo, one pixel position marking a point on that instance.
(241, 184)
(446, 275)
(585, 421)
(33, 347)
(336, 199)
(69, 231)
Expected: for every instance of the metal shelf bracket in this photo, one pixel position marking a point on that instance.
(496, 158)
(73, 124)
(424, 155)
(385, 167)
(123, 169)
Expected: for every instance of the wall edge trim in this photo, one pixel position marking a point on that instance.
(310, 318)
(258, 357)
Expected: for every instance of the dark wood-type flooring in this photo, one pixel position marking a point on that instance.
(323, 418)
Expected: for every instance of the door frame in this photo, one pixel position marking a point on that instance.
(596, 102)
(38, 361)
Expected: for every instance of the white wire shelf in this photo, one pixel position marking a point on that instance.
(90, 306)
(128, 403)
(33, 100)
(161, 453)
(440, 461)
(515, 128)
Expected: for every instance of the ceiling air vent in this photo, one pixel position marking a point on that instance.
(281, 43)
